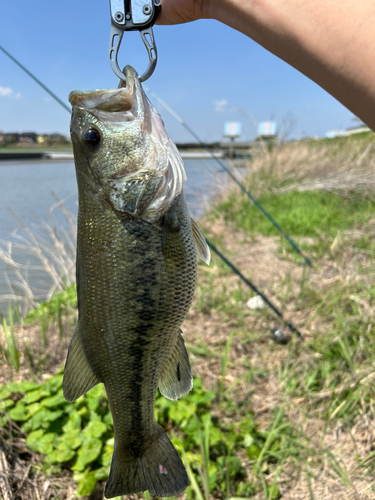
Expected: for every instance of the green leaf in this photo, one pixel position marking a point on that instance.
(107, 419)
(54, 383)
(95, 417)
(63, 454)
(42, 443)
(74, 422)
(94, 429)
(82, 411)
(180, 412)
(216, 436)
(94, 396)
(42, 419)
(22, 386)
(106, 457)
(46, 443)
(89, 451)
(6, 403)
(32, 439)
(55, 401)
(233, 465)
(4, 392)
(253, 452)
(86, 482)
(34, 408)
(72, 438)
(34, 396)
(19, 413)
(101, 473)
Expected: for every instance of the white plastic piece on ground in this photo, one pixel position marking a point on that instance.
(255, 302)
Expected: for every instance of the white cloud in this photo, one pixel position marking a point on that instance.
(220, 106)
(5, 91)
(8, 92)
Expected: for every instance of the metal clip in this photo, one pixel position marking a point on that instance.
(140, 16)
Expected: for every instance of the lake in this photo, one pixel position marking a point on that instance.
(26, 189)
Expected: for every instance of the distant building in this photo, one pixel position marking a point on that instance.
(30, 139)
(10, 138)
(27, 138)
(358, 129)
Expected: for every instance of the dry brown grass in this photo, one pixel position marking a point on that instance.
(259, 371)
(268, 360)
(343, 165)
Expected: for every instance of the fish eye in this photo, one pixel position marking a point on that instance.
(92, 137)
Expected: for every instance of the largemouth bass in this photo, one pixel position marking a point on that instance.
(136, 275)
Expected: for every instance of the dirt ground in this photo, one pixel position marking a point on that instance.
(261, 260)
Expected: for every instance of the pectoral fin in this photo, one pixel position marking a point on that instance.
(176, 379)
(78, 375)
(200, 243)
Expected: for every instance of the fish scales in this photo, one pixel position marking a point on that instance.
(136, 275)
(140, 312)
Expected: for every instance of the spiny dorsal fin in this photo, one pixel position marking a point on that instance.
(200, 243)
(176, 379)
(78, 375)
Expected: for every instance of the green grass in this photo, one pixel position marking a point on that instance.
(299, 213)
(10, 351)
(329, 378)
(79, 436)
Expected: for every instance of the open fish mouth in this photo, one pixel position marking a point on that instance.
(127, 149)
(117, 105)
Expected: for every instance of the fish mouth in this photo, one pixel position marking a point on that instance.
(123, 104)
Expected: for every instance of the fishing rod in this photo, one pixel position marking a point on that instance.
(228, 171)
(222, 257)
(191, 131)
(36, 79)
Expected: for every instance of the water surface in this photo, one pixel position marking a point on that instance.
(27, 187)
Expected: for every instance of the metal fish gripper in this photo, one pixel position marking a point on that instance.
(134, 15)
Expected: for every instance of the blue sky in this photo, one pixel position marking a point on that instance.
(207, 72)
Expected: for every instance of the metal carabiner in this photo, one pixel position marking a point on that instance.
(140, 16)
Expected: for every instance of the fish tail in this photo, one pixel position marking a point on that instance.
(159, 470)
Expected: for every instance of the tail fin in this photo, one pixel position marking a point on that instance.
(159, 470)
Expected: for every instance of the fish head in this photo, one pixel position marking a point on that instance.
(122, 150)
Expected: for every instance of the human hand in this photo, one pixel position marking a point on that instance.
(182, 11)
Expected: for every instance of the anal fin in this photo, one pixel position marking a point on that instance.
(78, 375)
(176, 379)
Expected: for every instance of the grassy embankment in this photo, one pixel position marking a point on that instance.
(264, 420)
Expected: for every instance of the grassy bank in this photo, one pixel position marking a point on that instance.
(264, 421)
